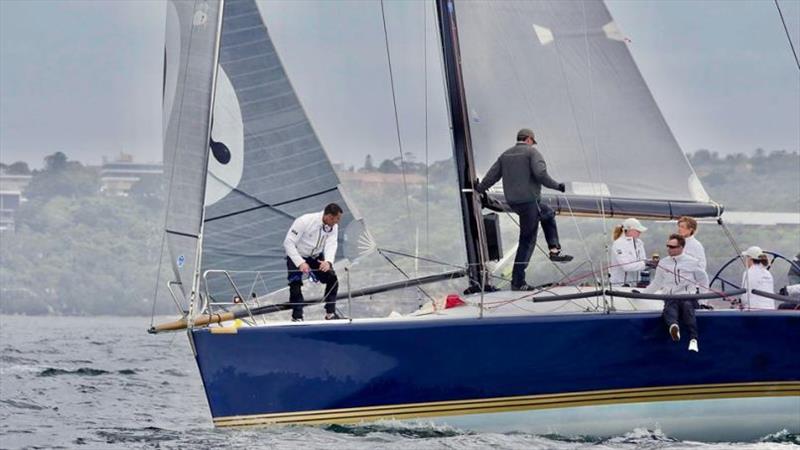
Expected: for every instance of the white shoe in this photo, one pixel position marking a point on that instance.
(693, 346)
(675, 332)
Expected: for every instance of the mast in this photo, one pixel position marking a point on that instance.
(474, 232)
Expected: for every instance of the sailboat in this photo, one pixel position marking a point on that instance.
(244, 161)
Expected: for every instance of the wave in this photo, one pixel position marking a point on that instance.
(414, 430)
(640, 436)
(22, 405)
(16, 360)
(83, 371)
(781, 437)
(173, 372)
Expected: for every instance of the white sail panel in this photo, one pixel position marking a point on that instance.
(190, 62)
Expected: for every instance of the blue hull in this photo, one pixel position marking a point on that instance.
(340, 373)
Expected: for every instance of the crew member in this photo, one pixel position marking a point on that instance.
(310, 246)
(628, 256)
(679, 274)
(687, 227)
(757, 277)
(524, 171)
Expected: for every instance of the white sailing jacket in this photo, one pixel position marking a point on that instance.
(695, 249)
(680, 274)
(627, 260)
(308, 238)
(757, 277)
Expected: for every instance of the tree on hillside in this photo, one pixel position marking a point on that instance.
(387, 166)
(18, 168)
(62, 177)
(55, 162)
(368, 165)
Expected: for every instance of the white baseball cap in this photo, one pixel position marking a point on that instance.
(754, 252)
(633, 224)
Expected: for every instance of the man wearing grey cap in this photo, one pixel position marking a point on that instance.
(524, 171)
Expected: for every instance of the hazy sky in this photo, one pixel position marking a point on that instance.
(84, 77)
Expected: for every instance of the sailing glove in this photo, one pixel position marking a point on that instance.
(562, 187)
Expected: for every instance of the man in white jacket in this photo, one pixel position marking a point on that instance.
(687, 227)
(310, 245)
(679, 274)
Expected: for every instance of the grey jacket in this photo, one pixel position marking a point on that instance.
(523, 171)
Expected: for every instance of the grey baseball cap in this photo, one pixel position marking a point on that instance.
(525, 133)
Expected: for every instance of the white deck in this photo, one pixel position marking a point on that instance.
(496, 304)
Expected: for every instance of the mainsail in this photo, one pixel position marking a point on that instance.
(563, 69)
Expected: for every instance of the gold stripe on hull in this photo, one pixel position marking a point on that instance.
(520, 403)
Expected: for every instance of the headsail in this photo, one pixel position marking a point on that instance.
(270, 167)
(563, 69)
(190, 68)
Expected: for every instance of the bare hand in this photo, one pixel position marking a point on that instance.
(305, 268)
(324, 266)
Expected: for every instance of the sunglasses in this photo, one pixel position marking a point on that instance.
(673, 246)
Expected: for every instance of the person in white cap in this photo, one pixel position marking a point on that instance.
(628, 256)
(757, 277)
(679, 274)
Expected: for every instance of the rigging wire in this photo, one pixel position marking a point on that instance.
(547, 253)
(788, 36)
(596, 147)
(425, 91)
(396, 115)
(433, 302)
(581, 143)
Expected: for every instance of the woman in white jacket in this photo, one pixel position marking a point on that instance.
(628, 255)
(757, 277)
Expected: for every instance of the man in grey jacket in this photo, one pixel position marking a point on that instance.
(524, 171)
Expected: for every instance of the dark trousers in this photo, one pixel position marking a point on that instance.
(530, 214)
(296, 282)
(683, 309)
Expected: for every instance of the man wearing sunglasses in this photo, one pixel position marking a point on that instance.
(678, 274)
